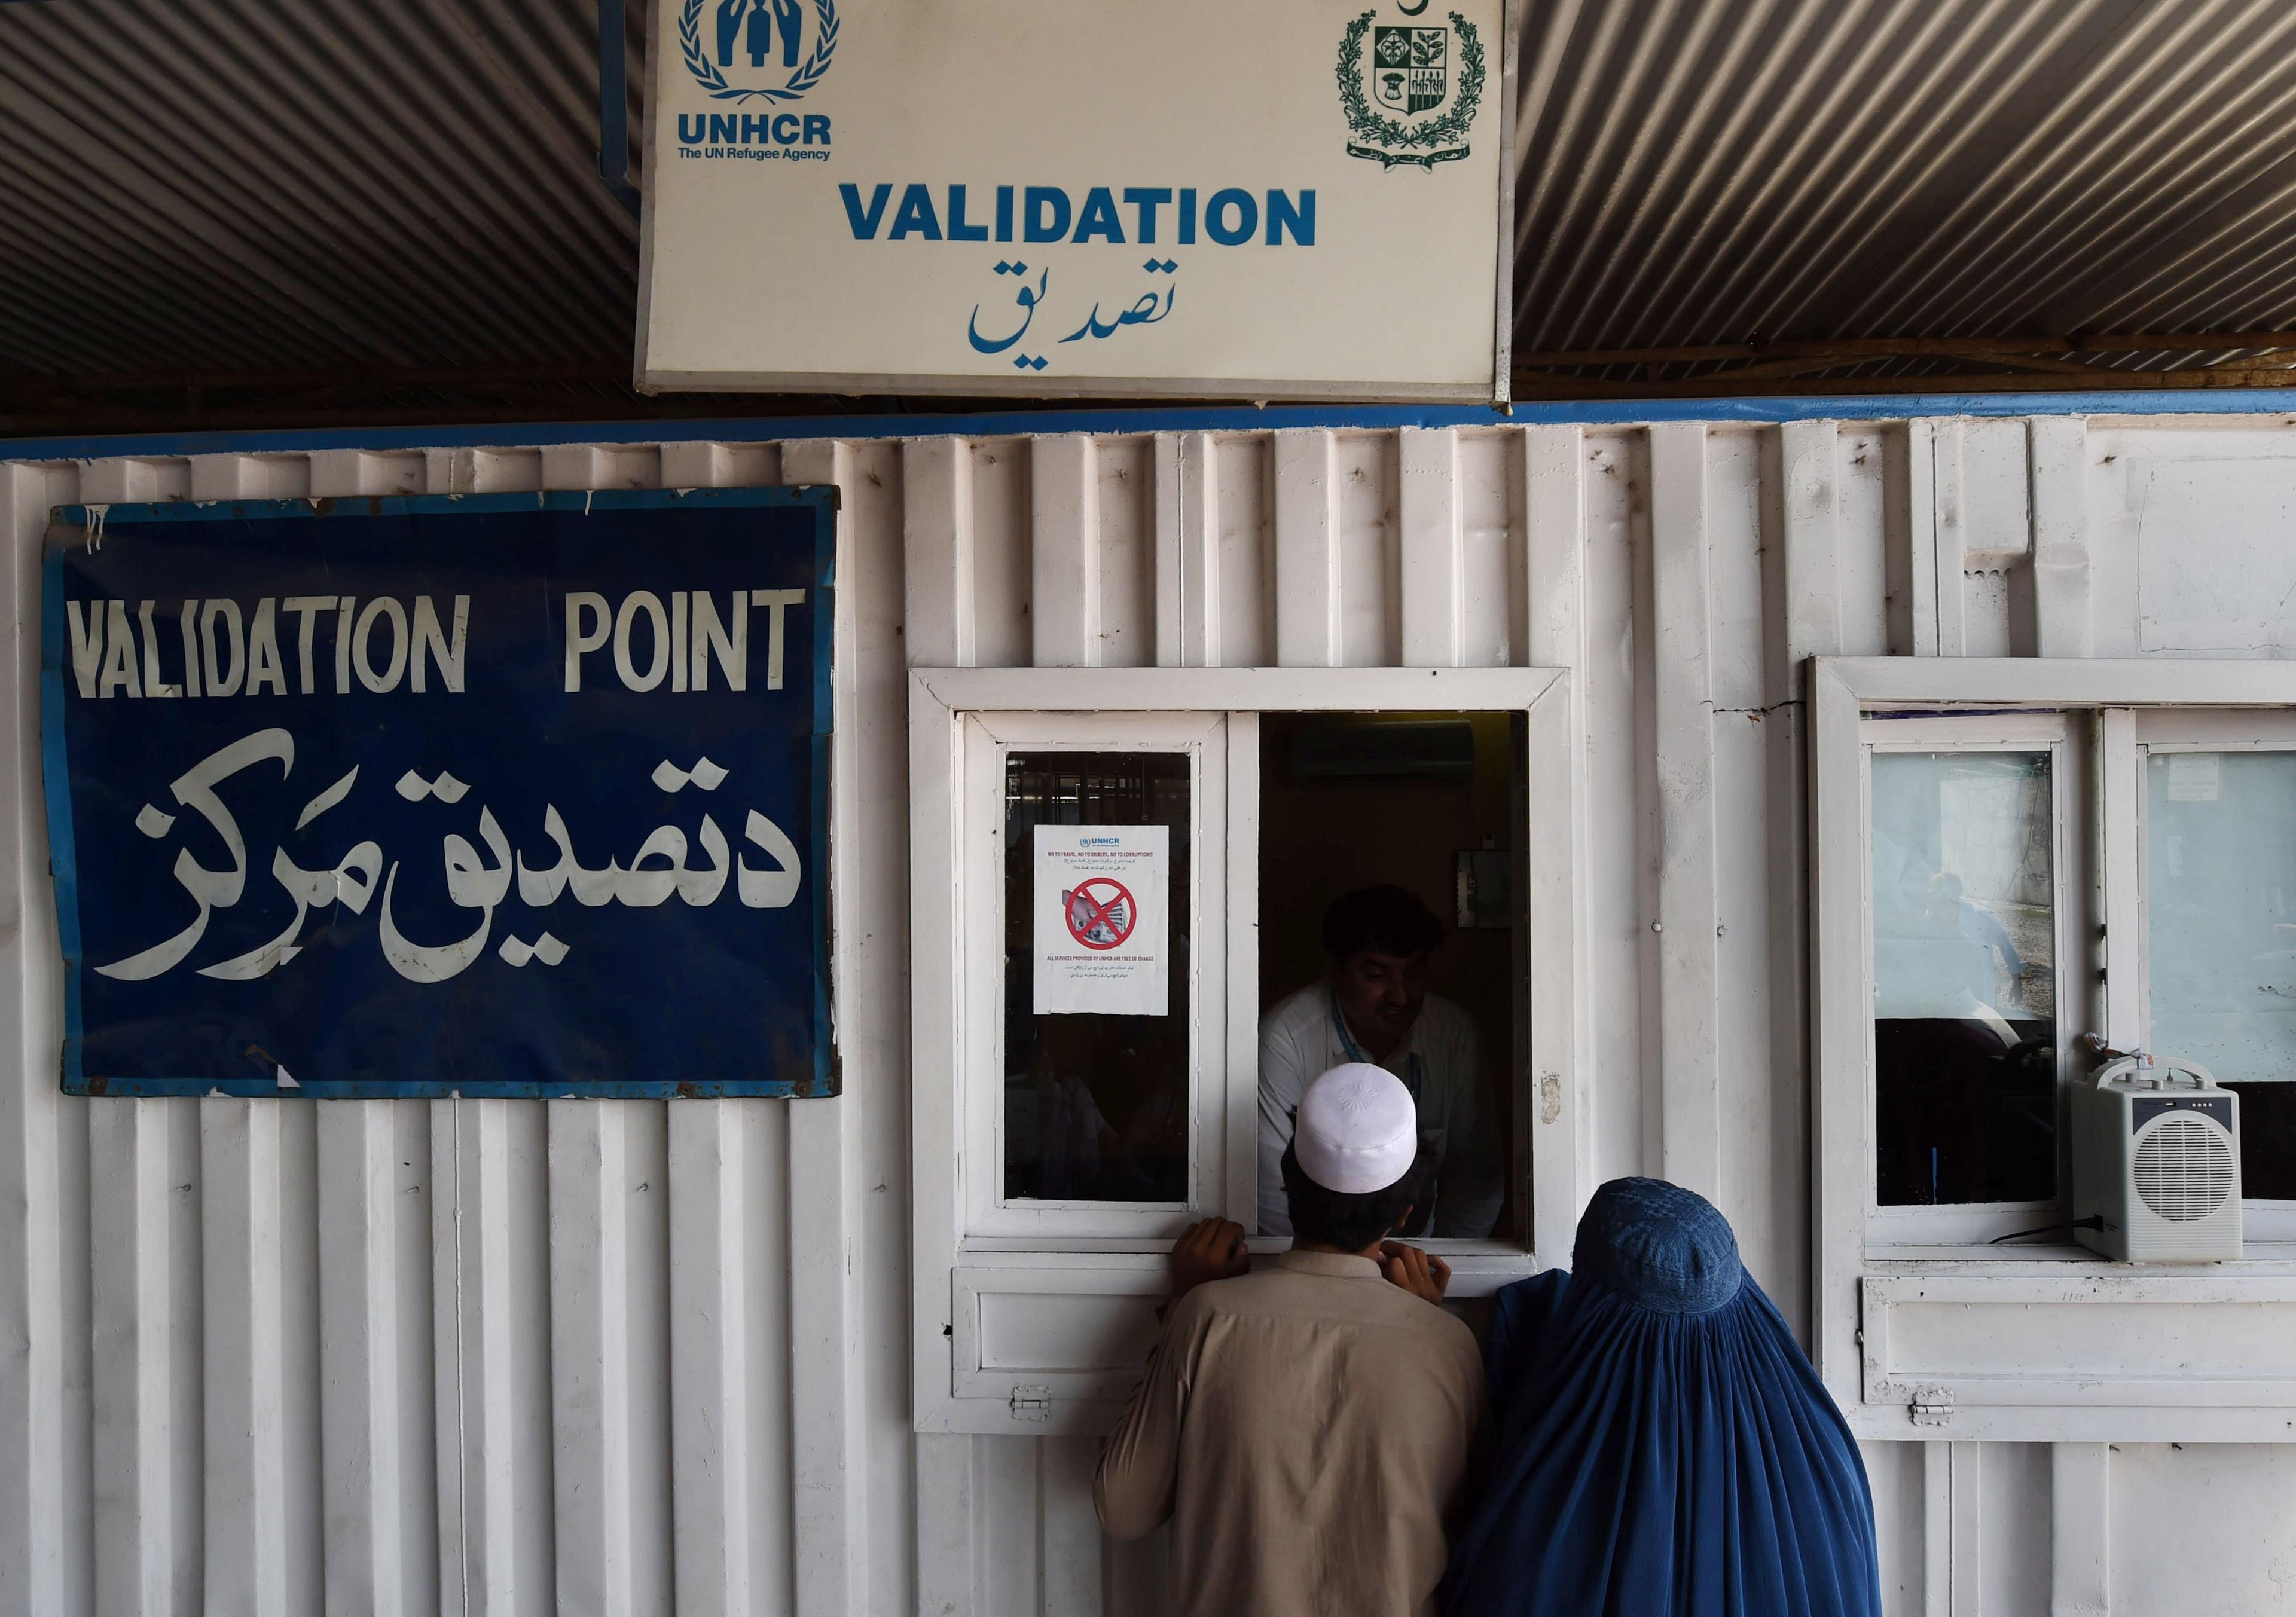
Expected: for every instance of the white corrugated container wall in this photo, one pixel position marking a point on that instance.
(635, 1357)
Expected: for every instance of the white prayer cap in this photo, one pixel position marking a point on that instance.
(1358, 1128)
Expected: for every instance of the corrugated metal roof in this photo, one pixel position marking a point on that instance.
(227, 184)
(341, 194)
(1699, 172)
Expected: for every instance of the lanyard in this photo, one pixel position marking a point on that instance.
(1411, 1073)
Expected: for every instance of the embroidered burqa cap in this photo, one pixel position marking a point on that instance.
(1357, 1130)
(1658, 1245)
(1664, 1446)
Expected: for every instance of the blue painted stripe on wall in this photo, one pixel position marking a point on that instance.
(1847, 406)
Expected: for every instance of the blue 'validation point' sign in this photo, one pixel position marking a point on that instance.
(508, 795)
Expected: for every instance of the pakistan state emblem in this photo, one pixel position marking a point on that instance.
(1408, 67)
(1410, 92)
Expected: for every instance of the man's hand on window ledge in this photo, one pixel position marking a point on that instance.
(1422, 1274)
(1210, 1249)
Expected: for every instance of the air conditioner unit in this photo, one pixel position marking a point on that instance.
(2156, 1162)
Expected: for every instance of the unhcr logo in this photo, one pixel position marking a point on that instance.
(742, 50)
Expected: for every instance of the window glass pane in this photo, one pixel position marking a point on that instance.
(1095, 1106)
(2220, 901)
(1964, 991)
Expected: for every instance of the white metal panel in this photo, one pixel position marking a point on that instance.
(1757, 1029)
(1065, 550)
(733, 1546)
(1936, 1520)
(870, 831)
(1829, 539)
(1310, 586)
(1553, 548)
(47, 1490)
(728, 1330)
(1366, 544)
(947, 1544)
(828, 1505)
(1963, 1511)
(2062, 566)
(1074, 1545)
(258, 1295)
(1894, 1472)
(2196, 524)
(378, 1446)
(1686, 920)
(1434, 583)
(2081, 1530)
(610, 1353)
(2202, 1529)
(657, 1396)
(1246, 479)
(1984, 539)
(1613, 605)
(1126, 539)
(999, 594)
(490, 1263)
(143, 1349)
(1914, 548)
(1870, 529)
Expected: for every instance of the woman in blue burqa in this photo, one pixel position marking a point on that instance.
(1663, 1446)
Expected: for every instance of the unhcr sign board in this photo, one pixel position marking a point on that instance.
(1256, 199)
(506, 795)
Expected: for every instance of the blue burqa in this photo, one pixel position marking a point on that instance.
(1664, 1448)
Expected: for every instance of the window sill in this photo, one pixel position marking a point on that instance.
(2263, 1259)
(1478, 1267)
(1260, 1244)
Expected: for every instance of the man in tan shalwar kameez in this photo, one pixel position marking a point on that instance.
(1308, 1428)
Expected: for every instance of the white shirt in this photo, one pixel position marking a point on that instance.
(1301, 1039)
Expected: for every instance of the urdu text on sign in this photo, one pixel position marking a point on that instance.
(494, 795)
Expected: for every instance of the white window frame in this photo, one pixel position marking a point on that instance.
(1089, 1273)
(1972, 1343)
(1973, 1224)
(1210, 741)
(2269, 1222)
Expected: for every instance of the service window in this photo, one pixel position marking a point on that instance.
(2216, 875)
(1115, 882)
(2018, 865)
(1428, 804)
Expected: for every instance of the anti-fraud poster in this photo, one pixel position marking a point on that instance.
(498, 794)
(1102, 919)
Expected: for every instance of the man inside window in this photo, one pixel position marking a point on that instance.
(1373, 1006)
(1307, 1428)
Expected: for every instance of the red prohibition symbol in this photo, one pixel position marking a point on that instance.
(1100, 912)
